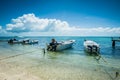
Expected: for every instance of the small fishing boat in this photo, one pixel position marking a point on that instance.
(22, 41)
(91, 47)
(61, 45)
(14, 41)
(30, 42)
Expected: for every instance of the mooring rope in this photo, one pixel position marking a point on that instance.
(105, 69)
(100, 57)
(17, 55)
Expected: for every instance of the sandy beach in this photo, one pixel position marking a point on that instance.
(24, 68)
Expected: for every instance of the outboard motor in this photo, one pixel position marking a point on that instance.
(95, 48)
(10, 41)
(90, 48)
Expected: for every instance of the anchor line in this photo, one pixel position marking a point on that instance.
(104, 68)
(17, 55)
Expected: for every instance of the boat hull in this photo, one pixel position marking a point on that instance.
(63, 45)
(24, 41)
(30, 42)
(91, 47)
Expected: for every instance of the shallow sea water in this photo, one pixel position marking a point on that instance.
(71, 64)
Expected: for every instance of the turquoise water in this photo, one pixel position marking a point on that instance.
(106, 49)
(75, 57)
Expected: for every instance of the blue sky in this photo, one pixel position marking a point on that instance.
(77, 13)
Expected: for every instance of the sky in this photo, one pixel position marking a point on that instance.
(60, 17)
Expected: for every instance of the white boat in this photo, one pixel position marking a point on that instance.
(23, 41)
(91, 46)
(14, 41)
(62, 45)
(30, 42)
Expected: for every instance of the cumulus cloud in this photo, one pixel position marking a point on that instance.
(29, 23)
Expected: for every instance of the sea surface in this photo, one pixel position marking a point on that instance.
(75, 57)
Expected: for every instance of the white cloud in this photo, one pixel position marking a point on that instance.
(0, 27)
(29, 24)
(2, 31)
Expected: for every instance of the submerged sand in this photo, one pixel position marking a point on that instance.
(36, 66)
(49, 70)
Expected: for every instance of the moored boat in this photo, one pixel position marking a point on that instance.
(14, 41)
(61, 45)
(30, 42)
(22, 41)
(91, 47)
